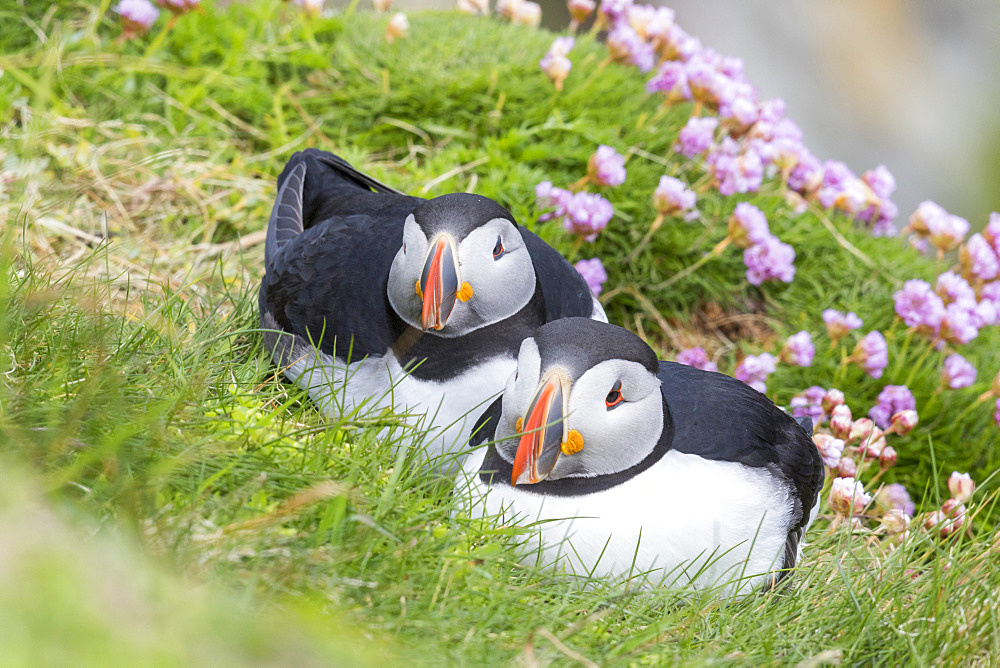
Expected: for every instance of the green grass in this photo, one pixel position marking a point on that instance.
(145, 428)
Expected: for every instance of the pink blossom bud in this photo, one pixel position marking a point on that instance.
(481, 7)
(958, 372)
(137, 16)
(847, 468)
(832, 399)
(838, 324)
(397, 27)
(748, 226)
(830, 449)
(606, 167)
(841, 421)
(848, 497)
(528, 14)
(895, 521)
(903, 422)
(798, 350)
(887, 458)
(382, 6)
(961, 485)
(556, 67)
(953, 513)
(861, 429)
(579, 10)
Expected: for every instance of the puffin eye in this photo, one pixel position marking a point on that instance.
(614, 397)
(498, 250)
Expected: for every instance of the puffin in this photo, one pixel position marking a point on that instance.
(372, 299)
(622, 465)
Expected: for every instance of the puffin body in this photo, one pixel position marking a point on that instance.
(374, 299)
(627, 466)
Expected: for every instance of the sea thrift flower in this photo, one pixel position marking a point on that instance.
(863, 430)
(958, 372)
(698, 358)
(735, 169)
(926, 211)
(769, 260)
(554, 63)
(626, 46)
(548, 196)
(892, 399)
(832, 399)
(953, 514)
(673, 197)
(593, 272)
(579, 10)
(671, 80)
(959, 324)
(919, 306)
(613, 11)
(896, 521)
(696, 136)
(397, 28)
(841, 421)
(481, 7)
(830, 449)
(887, 458)
(312, 8)
(809, 402)
(895, 496)
(748, 226)
(137, 17)
(382, 5)
(848, 497)
(587, 214)
(508, 8)
(904, 421)
(946, 232)
(978, 259)
(991, 233)
(996, 413)
(838, 324)
(799, 351)
(846, 468)
(952, 288)
(961, 486)
(527, 14)
(606, 167)
(754, 370)
(872, 354)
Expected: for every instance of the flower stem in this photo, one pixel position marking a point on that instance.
(654, 226)
(690, 269)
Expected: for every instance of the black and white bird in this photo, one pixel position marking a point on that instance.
(626, 465)
(377, 299)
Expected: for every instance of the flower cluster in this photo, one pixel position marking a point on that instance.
(584, 213)
(950, 518)
(950, 312)
(754, 370)
(698, 358)
(397, 28)
(672, 197)
(523, 12)
(137, 17)
(606, 167)
(556, 63)
(891, 400)
(593, 272)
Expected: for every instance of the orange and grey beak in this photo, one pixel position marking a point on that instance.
(543, 432)
(438, 285)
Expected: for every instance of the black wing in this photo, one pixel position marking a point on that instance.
(330, 243)
(486, 425)
(565, 291)
(721, 418)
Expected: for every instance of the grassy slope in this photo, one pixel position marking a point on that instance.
(139, 391)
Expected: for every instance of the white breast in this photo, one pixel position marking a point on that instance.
(446, 411)
(689, 522)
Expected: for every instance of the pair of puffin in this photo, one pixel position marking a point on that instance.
(375, 299)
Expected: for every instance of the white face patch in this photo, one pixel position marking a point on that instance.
(517, 396)
(502, 283)
(615, 438)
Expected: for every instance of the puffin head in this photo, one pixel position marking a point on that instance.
(585, 401)
(462, 265)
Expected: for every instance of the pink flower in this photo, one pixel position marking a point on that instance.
(920, 220)
(887, 458)
(830, 449)
(671, 79)
(953, 288)
(892, 399)
(991, 233)
(846, 468)
(587, 214)
(838, 324)
(137, 16)
(672, 196)
(179, 6)
(960, 324)
(606, 167)
(896, 521)
(946, 232)
(593, 272)
(696, 136)
(841, 421)
(798, 350)
(548, 196)
(872, 354)
(698, 358)
(579, 10)
(996, 413)
(978, 259)
(958, 372)
(832, 399)
(556, 67)
(735, 168)
(398, 27)
(848, 497)
(748, 226)
(626, 46)
(895, 496)
(754, 370)
(527, 14)
(809, 402)
(904, 421)
(769, 260)
(961, 486)
(919, 306)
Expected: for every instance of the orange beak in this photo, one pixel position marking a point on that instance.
(438, 284)
(544, 431)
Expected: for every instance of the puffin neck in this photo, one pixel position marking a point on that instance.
(497, 470)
